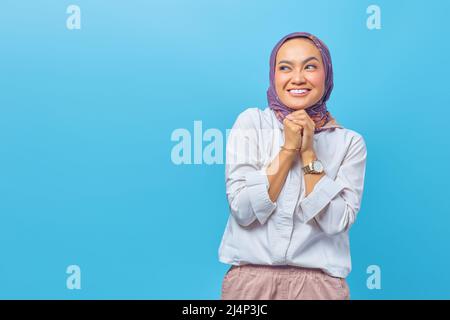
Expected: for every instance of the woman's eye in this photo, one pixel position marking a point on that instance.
(310, 65)
(282, 68)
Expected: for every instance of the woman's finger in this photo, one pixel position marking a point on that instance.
(294, 126)
(300, 122)
(300, 116)
(303, 124)
(296, 122)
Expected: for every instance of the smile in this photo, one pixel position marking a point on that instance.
(299, 92)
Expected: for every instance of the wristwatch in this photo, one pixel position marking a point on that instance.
(314, 167)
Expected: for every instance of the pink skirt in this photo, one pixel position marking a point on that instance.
(263, 282)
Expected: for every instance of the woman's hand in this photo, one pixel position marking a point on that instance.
(300, 119)
(292, 134)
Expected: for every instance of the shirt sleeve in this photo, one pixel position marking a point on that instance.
(335, 203)
(245, 175)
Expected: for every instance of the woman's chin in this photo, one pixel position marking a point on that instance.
(297, 106)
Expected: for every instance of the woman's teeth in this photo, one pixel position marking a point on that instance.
(298, 92)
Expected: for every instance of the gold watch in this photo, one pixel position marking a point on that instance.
(315, 167)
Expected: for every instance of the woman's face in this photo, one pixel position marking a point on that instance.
(298, 65)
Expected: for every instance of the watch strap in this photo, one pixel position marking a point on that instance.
(308, 168)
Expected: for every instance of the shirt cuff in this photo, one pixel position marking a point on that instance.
(324, 191)
(257, 187)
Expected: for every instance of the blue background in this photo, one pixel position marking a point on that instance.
(86, 116)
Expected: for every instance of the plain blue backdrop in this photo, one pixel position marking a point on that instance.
(86, 117)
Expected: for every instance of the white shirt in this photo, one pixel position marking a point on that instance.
(309, 232)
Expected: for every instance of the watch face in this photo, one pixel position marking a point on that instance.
(317, 166)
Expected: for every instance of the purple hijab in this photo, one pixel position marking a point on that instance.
(318, 112)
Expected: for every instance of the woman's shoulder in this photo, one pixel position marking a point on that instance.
(254, 117)
(349, 133)
(348, 137)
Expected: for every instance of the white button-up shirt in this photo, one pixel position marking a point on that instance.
(310, 232)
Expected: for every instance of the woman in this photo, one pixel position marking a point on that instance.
(294, 184)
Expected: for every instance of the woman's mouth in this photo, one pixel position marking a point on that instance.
(299, 92)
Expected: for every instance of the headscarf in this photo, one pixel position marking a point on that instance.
(317, 112)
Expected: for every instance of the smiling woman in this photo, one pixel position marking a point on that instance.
(299, 75)
(297, 190)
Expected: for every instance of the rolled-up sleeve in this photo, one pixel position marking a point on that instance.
(335, 203)
(245, 175)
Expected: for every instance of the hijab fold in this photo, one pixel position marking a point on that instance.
(317, 112)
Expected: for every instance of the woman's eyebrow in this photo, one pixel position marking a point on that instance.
(304, 61)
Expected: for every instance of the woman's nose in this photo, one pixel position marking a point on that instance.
(298, 77)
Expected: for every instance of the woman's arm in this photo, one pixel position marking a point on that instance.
(286, 159)
(310, 179)
(307, 125)
(278, 170)
(335, 203)
(280, 166)
(246, 178)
